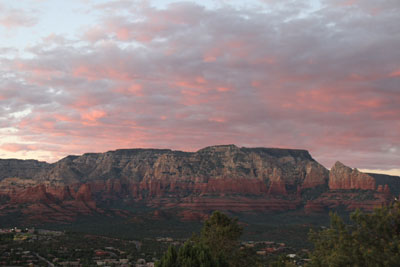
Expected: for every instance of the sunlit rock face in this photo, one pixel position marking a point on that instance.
(352, 189)
(293, 167)
(218, 177)
(343, 177)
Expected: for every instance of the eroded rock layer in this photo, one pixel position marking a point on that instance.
(343, 177)
(219, 177)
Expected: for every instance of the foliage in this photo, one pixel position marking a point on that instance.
(282, 261)
(190, 255)
(170, 258)
(373, 239)
(66, 247)
(221, 234)
(217, 245)
(6, 237)
(245, 257)
(314, 192)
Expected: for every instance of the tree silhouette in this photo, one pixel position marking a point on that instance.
(372, 239)
(216, 246)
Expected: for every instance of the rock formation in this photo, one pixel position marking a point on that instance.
(343, 177)
(351, 189)
(219, 177)
(23, 169)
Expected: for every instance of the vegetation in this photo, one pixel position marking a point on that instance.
(283, 261)
(217, 245)
(221, 234)
(372, 239)
(189, 255)
(22, 247)
(313, 193)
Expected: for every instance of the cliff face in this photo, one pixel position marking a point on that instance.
(343, 177)
(218, 177)
(23, 169)
(352, 189)
(387, 183)
(292, 167)
(212, 169)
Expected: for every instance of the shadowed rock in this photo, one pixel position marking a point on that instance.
(222, 177)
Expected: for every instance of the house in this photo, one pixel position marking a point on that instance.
(70, 263)
(124, 261)
(101, 253)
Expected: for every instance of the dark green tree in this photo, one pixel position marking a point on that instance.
(372, 239)
(221, 234)
(283, 261)
(169, 259)
(190, 255)
(217, 245)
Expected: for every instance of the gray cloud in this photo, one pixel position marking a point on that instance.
(13, 18)
(186, 77)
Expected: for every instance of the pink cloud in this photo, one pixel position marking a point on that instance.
(130, 89)
(100, 72)
(223, 89)
(329, 100)
(217, 119)
(200, 80)
(87, 72)
(94, 34)
(14, 18)
(209, 58)
(93, 115)
(15, 147)
(395, 73)
(85, 101)
(348, 2)
(64, 118)
(206, 76)
(123, 34)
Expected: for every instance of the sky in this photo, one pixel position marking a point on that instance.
(93, 75)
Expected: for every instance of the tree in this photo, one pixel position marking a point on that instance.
(190, 255)
(372, 239)
(170, 258)
(216, 246)
(221, 234)
(283, 261)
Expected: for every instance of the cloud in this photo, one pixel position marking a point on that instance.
(13, 18)
(188, 76)
(14, 147)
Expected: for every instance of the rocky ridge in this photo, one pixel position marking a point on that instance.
(343, 177)
(219, 177)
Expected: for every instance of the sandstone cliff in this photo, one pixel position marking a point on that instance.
(352, 189)
(278, 171)
(217, 162)
(23, 169)
(343, 177)
(219, 177)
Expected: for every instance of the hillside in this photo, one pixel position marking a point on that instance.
(191, 183)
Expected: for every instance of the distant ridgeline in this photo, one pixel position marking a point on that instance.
(222, 177)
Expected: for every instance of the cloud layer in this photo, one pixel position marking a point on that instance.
(188, 76)
(12, 18)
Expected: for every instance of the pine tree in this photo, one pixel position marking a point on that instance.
(169, 259)
(372, 239)
(221, 234)
(216, 246)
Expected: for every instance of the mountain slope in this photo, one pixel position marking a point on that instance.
(219, 177)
